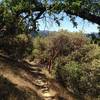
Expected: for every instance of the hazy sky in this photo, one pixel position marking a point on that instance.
(83, 25)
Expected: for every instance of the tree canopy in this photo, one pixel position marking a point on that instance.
(18, 16)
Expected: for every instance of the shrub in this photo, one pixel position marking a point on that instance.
(75, 62)
(17, 46)
(86, 53)
(79, 72)
(62, 43)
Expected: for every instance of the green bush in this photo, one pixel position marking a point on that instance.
(18, 46)
(74, 61)
(80, 71)
(86, 53)
(57, 44)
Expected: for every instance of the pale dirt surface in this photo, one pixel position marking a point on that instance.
(37, 80)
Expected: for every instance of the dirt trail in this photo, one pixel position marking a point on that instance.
(35, 79)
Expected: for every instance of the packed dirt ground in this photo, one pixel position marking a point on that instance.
(25, 81)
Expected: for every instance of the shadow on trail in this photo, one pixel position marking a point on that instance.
(9, 91)
(32, 69)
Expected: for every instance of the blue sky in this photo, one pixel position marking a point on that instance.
(83, 25)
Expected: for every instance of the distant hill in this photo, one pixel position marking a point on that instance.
(93, 35)
(46, 32)
(42, 33)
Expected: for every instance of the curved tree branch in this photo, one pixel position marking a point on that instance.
(83, 14)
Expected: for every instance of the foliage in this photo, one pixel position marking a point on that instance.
(80, 81)
(18, 46)
(79, 72)
(21, 16)
(57, 44)
(72, 59)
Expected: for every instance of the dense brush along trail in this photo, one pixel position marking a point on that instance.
(25, 81)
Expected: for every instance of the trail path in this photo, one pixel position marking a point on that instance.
(34, 78)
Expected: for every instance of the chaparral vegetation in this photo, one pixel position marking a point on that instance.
(59, 65)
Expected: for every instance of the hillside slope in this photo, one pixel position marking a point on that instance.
(23, 81)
